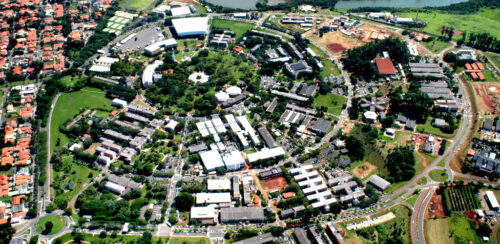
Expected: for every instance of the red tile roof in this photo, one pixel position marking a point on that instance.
(385, 66)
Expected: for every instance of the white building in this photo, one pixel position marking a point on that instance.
(233, 160)
(171, 125)
(179, 11)
(213, 198)
(118, 189)
(266, 154)
(313, 187)
(218, 184)
(191, 26)
(158, 47)
(149, 72)
(206, 214)
(103, 64)
(492, 200)
(211, 160)
(119, 103)
(370, 116)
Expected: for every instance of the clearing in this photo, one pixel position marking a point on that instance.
(71, 104)
(330, 68)
(455, 229)
(89, 238)
(334, 103)
(487, 96)
(70, 178)
(494, 58)
(438, 175)
(427, 128)
(189, 240)
(485, 20)
(436, 46)
(239, 28)
(57, 221)
(139, 5)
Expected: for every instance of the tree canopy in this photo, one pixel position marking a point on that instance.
(400, 163)
(184, 202)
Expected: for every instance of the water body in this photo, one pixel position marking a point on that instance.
(250, 4)
(395, 3)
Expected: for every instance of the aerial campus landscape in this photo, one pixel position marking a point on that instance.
(250, 121)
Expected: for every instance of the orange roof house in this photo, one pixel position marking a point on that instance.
(385, 66)
(238, 48)
(4, 185)
(287, 195)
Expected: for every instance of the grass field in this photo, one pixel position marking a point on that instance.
(139, 5)
(427, 128)
(239, 28)
(436, 46)
(57, 221)
(437, 231)
(330, 68)
(71, 104)
(398, 226)
(189, 240)
(438, 175)
(412, 199)
(318, 51)
(485, 20)
(333, 102)
(494, 58)
(70, 81)
(68, 183)
(119, 239)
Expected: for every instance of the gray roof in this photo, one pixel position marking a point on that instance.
(379, 182)
(321, 125)
(308, 90)
(268, 138)
(488, 124)
(263, 239)
(251, 214)
(301, 236)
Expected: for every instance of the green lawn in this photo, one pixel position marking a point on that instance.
(494, 58)
(188, 43)
(57, 221)
(139, 5)
(239, 28)
(318, 51)
(69, 181)
(436, 46)
(412, 199)
(71, 104)
(455, 229)
(189, 240)
(333, 102)
(485, 20)
(330, 68)
(427, 128)
(70, 81)
(438, 175)
(118, 239)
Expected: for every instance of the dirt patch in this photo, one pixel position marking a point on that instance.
(336, 48)
(487, 96)
(363, 170)
(275, 183)
(472, 215)
(436, 208)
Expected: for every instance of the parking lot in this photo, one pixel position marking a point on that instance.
(142, 39)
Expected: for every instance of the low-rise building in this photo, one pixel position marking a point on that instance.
(242, 214)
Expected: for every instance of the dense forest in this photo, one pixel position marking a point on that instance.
(359, 60)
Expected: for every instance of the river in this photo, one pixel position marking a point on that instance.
(250, 4)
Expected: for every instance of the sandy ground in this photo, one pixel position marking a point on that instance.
(487, 96)
(364, 169)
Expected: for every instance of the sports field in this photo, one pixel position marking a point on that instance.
(239, 28)
(485, 20)
(71, 104)
(333, 102)
(139, 5)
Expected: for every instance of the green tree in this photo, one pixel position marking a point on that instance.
(335, 208)
(48, 227)
(184, 201)
(103, 234)
(400, 163)
(356, 147)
